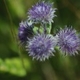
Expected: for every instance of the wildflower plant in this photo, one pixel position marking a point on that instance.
(68, 41)
(38, 40)
(42, 46)
(25, 31)
(42, 12)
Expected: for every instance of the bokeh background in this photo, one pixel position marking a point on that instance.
(15, 64)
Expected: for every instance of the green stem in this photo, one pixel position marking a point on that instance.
(12, 30)
(44, 27)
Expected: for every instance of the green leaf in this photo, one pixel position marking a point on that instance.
(14, 66)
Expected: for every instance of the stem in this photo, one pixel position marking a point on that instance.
(12, 30)
(21, 56)
(44, 26)
(50, 27)
(11, 22)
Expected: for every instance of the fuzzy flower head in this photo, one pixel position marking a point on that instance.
(25, 31)
(42, 12)
(41, 46)
(68, 41)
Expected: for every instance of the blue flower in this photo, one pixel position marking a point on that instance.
(25, 31)
(68, 41)
(41, 46)
(42, 12)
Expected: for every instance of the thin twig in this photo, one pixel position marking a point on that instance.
(13, 32)
(11, 22)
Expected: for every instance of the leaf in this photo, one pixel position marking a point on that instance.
(14, 66)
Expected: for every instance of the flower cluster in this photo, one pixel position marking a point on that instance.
(25, 30)
(42, 12)
(38, 39)
(68, 41)
(41, 46)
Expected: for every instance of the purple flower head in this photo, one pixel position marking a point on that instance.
(41, 46)
(68, 41)
(25, 31)
(42, 12)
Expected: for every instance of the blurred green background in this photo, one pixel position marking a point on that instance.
(15, 64)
